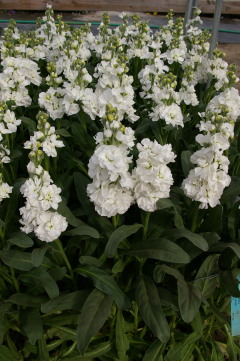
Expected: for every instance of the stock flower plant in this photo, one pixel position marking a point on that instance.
(119, 193)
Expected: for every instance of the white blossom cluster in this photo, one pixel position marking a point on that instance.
(16, 75)
(39, 215)
(111, 190)
(152, 176)
(206, 182)
(5, 188)
(8, 125)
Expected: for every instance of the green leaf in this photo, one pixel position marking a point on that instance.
(13, 201)
(49, 284)
(31, 124)
(196, 239)
(38, 255)
(23, 299)
(94, 314)
(2, 327)
(213, 222)
(42, 354)
(71, 301)
(83, 230)
(206, 279)
(158, 274)
(181, 351)
(91, 354)
(65, 212)
(32, 324)
(171, 271)
(81, 183)
(230, 283)
(63, 132)
(17, 259)
(235, 247)
(153, 351)
(149, 304)
(20, 239)
(118, 235)
(197, 323)
(5, 354)
(90, 261)
(186, 163)
(233, 221)
(232, 191)
(105, 283)
(45, 280)
(164, 203)
(161, 249)
(122, 343)
(62, 332)
(189, 299)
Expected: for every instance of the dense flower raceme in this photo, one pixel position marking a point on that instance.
(8, 125)
(117, 79)
(39, 215)
(206, 182)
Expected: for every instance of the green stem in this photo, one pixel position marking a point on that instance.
(146, 222)
(60, 247)
(115, 221)
(195, 218)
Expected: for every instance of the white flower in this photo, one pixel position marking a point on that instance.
(5, 190)
(50, 226)
(110, 199)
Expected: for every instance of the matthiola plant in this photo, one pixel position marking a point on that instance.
(119, 192)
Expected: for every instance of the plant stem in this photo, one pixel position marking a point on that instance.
(60, 247)
(146, 222)
(115, 221)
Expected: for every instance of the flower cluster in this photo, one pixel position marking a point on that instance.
(152, 176)
(206, 182)
(8, 125)
(39, 215)
(112, 186)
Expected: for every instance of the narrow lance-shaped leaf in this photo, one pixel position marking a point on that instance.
(17, 259)
(149, 304)
(118, 235)
(5, 354)
(153, 351)
(206, 278)
(32, 324)
(198, 240)
(189, 299)
(122, 343)
(181, 351)
(20, 239)
(105, 283)
(38, 255)
(161, 249)
(93, 316)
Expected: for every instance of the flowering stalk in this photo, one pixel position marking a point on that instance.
(39, 215)
(206, 182)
